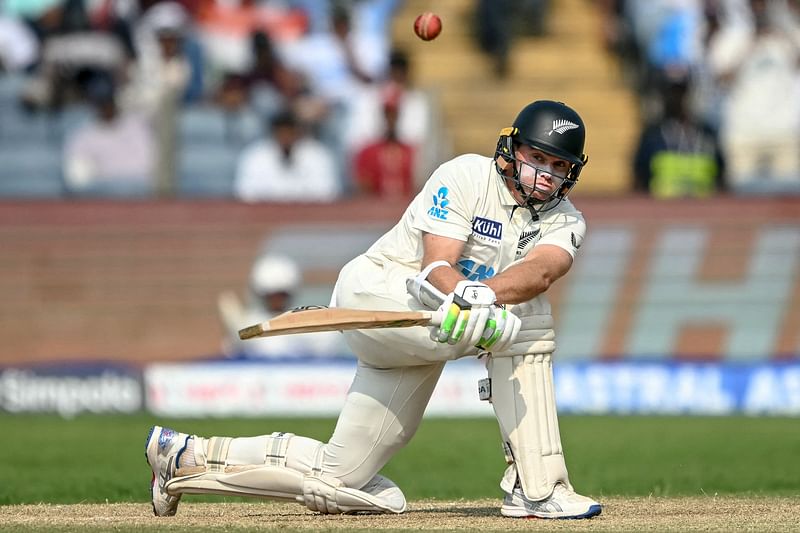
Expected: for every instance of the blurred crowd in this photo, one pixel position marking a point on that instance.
(295, 100)
(719, 88)
(308, 100)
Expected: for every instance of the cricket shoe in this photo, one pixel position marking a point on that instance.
(563, 503)
(162, 450)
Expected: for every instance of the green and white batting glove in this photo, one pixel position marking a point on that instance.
(500, 331)
(465, 312)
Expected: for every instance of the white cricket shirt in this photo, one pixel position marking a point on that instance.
(467, 199)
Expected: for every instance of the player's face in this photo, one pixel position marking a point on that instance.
(540, 173)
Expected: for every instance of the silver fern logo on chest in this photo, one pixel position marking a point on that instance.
(525, 238)
(561, 126)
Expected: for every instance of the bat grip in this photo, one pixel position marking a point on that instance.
(436, 318)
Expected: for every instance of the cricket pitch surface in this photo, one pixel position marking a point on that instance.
(701, 513)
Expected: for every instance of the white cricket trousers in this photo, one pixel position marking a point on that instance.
(397, 372)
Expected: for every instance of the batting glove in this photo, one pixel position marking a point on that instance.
(465, 312)
(500, 331)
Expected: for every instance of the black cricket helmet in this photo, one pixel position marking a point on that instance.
(554, 128)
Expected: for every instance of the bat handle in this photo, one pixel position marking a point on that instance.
(436, 318)
(429, 296)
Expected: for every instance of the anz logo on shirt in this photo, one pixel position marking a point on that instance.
(475, 272)
(440, 202)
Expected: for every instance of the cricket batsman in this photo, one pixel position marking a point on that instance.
(482, 243)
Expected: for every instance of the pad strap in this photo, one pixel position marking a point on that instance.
(423, 291)
(536, 336)
(217, 458)
(276, 449)
(327, 495)
(428, 269)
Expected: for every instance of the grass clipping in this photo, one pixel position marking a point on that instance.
(705, 513)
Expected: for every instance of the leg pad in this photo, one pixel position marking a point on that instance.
(524, 404)
(319, 493)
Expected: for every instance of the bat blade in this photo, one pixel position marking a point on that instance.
(337, 319)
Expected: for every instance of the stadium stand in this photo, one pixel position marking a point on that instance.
(206, 170)
(30, 171)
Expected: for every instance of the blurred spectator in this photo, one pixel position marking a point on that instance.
(760, 123)
(787, 15)
(616, 35)
(374, 17)
(274, 282)
(163, 76)
(338, 64)
(494, 19)
(164, 70)
(339, 60)
(385, 168)
(498, 22)
(289, 166)
(652, 38)
(269, 86)
(676, 155)
(675, 41)
(226, 28)
(114, 154)
(707, 94)
(415, 121)
(71, 46)
(19, 47)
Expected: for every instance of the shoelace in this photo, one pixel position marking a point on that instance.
(560, 491)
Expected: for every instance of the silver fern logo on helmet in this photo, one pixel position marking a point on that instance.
(560, 126)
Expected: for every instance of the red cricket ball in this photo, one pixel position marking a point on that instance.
(427, 26)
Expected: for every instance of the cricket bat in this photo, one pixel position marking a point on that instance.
(310, 319)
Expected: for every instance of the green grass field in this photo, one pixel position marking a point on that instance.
(100, 458)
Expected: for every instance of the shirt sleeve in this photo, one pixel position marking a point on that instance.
(446, 204)
(565, 228)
